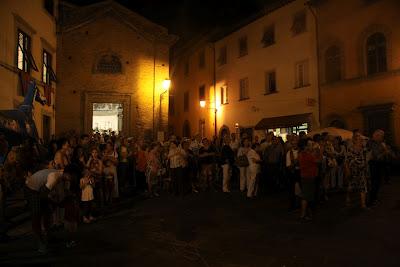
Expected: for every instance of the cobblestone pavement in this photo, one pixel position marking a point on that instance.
(216, 229)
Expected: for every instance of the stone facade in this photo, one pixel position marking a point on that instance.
(30, 17)
(281, 56)
(359, 98)
(187, 76)
(108, 53)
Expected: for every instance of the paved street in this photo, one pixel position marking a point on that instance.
(215, 229)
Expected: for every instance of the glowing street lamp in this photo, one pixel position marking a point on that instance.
(166, 84)
(202, 103)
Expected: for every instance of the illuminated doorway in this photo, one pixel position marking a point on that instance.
(107, 117)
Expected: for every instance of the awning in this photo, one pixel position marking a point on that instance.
(283, 121)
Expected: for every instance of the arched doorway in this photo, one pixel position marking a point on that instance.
(338, 124)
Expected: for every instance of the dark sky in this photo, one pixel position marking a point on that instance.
(187, 18)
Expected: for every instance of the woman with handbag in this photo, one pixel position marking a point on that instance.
(242, 162)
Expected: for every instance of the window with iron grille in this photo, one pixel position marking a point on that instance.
(202, 59)
(299, 23)
(243, 49)
(222, 58)
(376, 53)
(244, 89)
(268, 36)
(270, 82)
(109, 64)
(301, 69)
(25, 60)
(186, 101)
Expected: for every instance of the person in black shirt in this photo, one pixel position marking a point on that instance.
(227, 160)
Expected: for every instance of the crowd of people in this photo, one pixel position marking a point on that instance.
(84, 174)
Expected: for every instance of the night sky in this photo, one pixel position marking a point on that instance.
(187, 18)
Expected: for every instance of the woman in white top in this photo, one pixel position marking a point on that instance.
(252, 171)
(242, 152)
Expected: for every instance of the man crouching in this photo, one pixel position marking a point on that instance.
(39, 185)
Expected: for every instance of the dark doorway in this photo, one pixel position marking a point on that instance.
(379, 117)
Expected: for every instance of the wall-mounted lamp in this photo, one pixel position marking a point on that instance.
(166, 84)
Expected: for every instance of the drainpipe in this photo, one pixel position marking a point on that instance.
(215, 92)
(308, 4)
(154, 85)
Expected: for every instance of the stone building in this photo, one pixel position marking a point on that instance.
(260, 75)
(111, 57)
(192, 68)
(359, 55)
(28, 52)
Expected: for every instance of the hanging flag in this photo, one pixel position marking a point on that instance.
(25, 79)
(39, 97)
(47, 93)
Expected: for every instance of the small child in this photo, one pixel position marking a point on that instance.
(86, 184)
(109, 174)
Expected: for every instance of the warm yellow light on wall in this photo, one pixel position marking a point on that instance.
(166, 84)
(202, 103)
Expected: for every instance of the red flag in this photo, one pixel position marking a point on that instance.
(25, 79)
(47, 93)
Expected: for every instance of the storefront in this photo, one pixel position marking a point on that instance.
(284, 125)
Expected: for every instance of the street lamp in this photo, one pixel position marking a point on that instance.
(166, 84)
(203, 105)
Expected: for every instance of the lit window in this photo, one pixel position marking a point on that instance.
(376, 53)
(243, 46)
(302, 74)
(244, 89)
(270, 82)
(268, 36)
(222, 58)
(299, 23)
(25, 59)
(224, 95)
(48, 74)
(333, 64)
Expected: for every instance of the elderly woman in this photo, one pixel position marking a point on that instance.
(356, 163)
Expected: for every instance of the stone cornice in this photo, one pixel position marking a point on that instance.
(80, 17)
